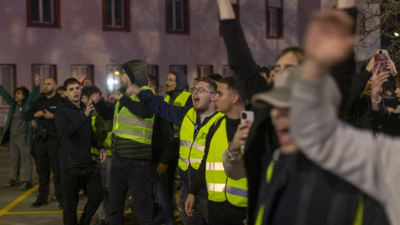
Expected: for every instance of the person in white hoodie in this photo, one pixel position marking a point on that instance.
(369, 162)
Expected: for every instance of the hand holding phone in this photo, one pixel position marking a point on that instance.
(381, 61)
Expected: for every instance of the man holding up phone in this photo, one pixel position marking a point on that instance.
(227, 197)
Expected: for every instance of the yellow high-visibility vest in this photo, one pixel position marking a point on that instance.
(219, 186)
(107, 141)
(193, 140)
(179, 101)
(129, 126)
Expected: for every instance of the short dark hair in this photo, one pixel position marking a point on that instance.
(54, 79)
(297, 51)
(215, 76)
(88, 91)
(153, 81)
(24, 90)
(211, 83)
(87, 79)
(265, 70)
(233, 85)
(70, 81)
(61, 88)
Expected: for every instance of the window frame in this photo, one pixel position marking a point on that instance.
(126, 16)
(184, 68)
(186, 18)
(229, 68)
(280, 21)
(13, 85)
(42, 78)
(211, 67)
(88, 65)
(156, 70)
(56, 16)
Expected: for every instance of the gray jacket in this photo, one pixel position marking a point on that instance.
(234, 165)
(369, 162)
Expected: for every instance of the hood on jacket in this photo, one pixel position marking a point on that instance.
(66, 103)
(181, 81)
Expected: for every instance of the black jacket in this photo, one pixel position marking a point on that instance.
(300, 192)
(43, 103)
(75, 134)
(262, 140)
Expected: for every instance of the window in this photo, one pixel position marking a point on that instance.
(153, 70)
(177, 13)
(43, 13)
(113, 78)
(116, 15)
(274, 18)
(178, 68)
(204, 71)
(7, 80)
(227, 72)
(236, 9)
(361, 24)
(81, 72)
(44, 71)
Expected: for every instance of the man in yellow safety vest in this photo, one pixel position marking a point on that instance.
(194, 123)
(227, 197)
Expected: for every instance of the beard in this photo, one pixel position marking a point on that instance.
(48, 92)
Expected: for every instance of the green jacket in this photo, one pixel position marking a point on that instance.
(25, 106)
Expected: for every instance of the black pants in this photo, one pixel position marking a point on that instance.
(72, 180)
(135, 175)
(172, 167)
(46, 157)
(224, 213)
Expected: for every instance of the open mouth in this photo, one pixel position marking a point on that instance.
(76, 96)
(196, 100)
(283, 134)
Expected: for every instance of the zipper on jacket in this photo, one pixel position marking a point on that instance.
(190, 151)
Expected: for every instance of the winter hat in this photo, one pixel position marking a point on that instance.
(181, 81)
(136, 71)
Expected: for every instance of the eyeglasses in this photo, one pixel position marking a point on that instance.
(200, 90)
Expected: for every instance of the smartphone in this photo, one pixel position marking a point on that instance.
(380, 61)
(247, 116)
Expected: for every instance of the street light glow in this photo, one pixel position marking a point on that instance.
(116, 73)
(110, 81)
(396, 34)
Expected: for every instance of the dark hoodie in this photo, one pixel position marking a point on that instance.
(181, 84)
(75, 134)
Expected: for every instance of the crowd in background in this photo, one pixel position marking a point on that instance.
(307, 142)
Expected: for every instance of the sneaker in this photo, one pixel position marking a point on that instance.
(26, 186)
(53, 198)
(101, 222)
(11, 183)
(38, 203)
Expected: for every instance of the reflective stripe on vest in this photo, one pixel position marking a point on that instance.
(129, 126)
(192, 143)
(107, 141)
(179, 101)
(358, 220)
(220, 187)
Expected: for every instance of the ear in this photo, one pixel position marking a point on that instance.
(235, 98)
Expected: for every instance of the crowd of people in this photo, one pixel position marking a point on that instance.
(320, 149)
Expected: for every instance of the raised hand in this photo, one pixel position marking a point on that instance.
(377, 81)
(240, 137)
(114, 96)
(37, 80)
(329, 38)
(133, 90)
(89, 108)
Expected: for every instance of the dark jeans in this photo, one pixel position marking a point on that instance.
(200, 209)
(135, 175)
(224, 213)
(72, 180)
(160, 187)
(172, 167)
(46, 157)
